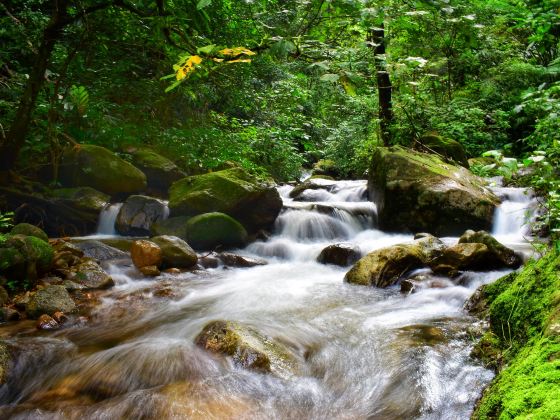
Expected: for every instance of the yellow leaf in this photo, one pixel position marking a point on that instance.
(218, 60)
(240, 60)
(188, 67)
(234, 52)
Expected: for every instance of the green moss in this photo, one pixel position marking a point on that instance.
(29, 230)
(85, 198)
(446, 147)
(212, 230)
(524, 310)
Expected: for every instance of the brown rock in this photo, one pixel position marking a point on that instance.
(145, 253)
(45, 322)
(60, 317)
(173, 271)
(150, 270)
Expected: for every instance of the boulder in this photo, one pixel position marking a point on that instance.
(94, 166)
(90, 275)
(212, 230)
(233, 260)
(449, 149)
(311, 184)
(138, 213)
(150, 270)
(417, 192)
(27, 229)
(385, 266)
(25, 257)
(45, 322)
(83, 198)
(325, 167)
(248, 348)
(340, 254)
(175, 252)
(173, 226)
(49, 300)
(506, 256)
(145, 253)
(233, 192)
(100, 251)
(160, 171)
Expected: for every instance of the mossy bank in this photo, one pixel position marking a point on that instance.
(523, 343)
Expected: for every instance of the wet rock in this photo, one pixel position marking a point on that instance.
(172, 271)
(234, 260)
(173, 226)
(463, 256)
(5, 358)
(504, 255)
(385, 266)
(145, 253)
(325, 167)
(209, 261)
(477, 304)
(60, 317)
(176, 253)
(45, 322)
(247, 348)
(27, 229)
(37, 257)
(310, 184)
(417, 192)
(20, 301)
(90, 275)
(451, 150)
(150, 270)
(214, 230)
(340, 254)
(233, 191)
(9, 314)
(100, 251)
(160, 171)
(99, 168)
(408, 286)
(138, 213)
(49, 300)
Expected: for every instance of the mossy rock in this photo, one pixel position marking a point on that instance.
(173, 226)
(326, 167)
(247, 348)
(83, 198)
(138, 213)
(233, 192)
(160, 171)
(213, 230)
(38, 256)
(49, 300)
(176, 252)
(504, 256)
(29, 230)
(448, 148)
(385, 266)
(99, 168)
(418, 192)
(11, 259)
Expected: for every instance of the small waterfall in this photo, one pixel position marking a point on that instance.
(513, 215)
(107, 219)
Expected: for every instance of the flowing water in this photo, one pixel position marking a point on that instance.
(366, 352)
(107, 219)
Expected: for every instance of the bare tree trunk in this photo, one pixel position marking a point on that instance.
(384, 87)
(15, 138)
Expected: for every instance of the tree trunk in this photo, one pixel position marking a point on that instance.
(384, 87)
(12, 144)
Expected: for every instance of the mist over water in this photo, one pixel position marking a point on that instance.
(367, 352)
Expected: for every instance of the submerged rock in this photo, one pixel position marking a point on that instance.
(340, 254)
(146, 253)
(248, 348)
(213, 230)
(99, 168)
(138, 213)
(233, 192)
(175, 252)
(418, 192)
(49, 300)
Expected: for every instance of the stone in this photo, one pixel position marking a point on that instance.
(505, 256)
(92, 166)
(417, 192)
(173, 226)
(9, 314)
(247, 348)
(340, 254)
(215, 230)
(27, 229)
(234, 260)
(100, 251)
(25, 257)
(451, 150)
(311, 184)
(60, 317)
(138, 213)
(49, 300)
(385, 266)
(175, 252)
(5, 362)
(325, 167)
(463, 256)
(253, 203)
(150, 270)
(160, 171)
(145, 253)
(90, 275)
(82, 198)
(45, 322)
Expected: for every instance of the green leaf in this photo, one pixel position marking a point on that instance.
(203, 3)
(173, 86)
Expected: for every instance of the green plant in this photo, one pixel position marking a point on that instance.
(6, 221)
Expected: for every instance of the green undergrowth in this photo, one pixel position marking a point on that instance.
(523, 343)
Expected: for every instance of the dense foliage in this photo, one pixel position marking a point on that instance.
(276, 85)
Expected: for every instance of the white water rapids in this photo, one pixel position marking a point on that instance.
(369, 353)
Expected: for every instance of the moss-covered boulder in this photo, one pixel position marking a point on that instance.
(49, 300)
(213, 230)
(465, 256)
(418, 192)
(27, 229)
(504, 256)
(385, 266)
(160, 171)
(82, 198)
(311, 184)
(25, 257)
(233, 192)
(173, 226)
(89, 275)
(248, 348)
(138, 213)
(326, 167)
(99, 168)
(449, 149)
(176, 253)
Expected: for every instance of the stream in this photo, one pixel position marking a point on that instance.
(369, 353)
